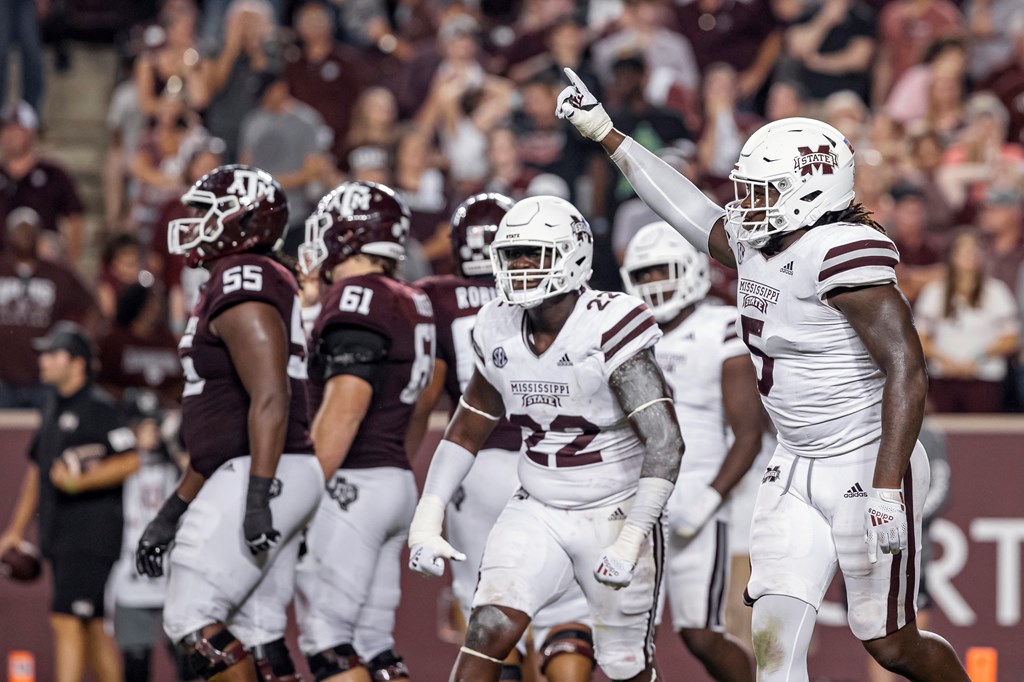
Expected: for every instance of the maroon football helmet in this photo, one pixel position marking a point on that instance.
(355, 217)
(474, 224)
(240, 207)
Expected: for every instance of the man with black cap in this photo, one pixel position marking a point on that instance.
(79, 458)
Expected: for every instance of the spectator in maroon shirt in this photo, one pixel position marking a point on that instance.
(744, 34)
(1007, 84)
(905, 30)
(1001, 221)
(34, 295)
(325, 74)
(26, 179)
(121, 267)
(920, 253)
(140, 351)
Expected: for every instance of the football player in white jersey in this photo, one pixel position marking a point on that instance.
(715, 389)
(573, 368)
(561, 631)
(841, 373)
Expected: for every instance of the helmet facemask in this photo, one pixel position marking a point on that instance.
(185, 234)
(758, 207)
(528, 287)
(313, 251)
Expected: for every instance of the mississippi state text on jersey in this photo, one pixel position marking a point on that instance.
(456, 301)
(401, 314)
(580, 450)
(215, 405)
(815, 376)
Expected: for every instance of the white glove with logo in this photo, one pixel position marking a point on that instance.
(581, 108)
(615, 567)
(686, 520)
(885, 522)
(428, 549)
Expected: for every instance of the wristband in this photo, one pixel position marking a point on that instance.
(258, 494)
(652, 494)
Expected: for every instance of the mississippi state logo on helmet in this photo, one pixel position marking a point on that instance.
(239, 208)
(790, 173)
(474, 224)
(355, 217)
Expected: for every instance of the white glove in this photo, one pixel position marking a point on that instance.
(427, 557)
(615, 567)
(885, 522)
(687, 519)
(428, 548)
(582, 109)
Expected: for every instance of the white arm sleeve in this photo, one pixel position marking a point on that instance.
(451, 464)
(669, 194)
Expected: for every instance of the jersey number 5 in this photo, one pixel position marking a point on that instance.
(752, 328)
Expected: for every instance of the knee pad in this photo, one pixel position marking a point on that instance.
(334, 661)
(575, 641)
(274, 663)
(209, 656)
(387, 666)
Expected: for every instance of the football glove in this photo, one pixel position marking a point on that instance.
(581, 108)
(885, 522)
(428, 549)
(258, 525)
(158, 536)
(686, 520)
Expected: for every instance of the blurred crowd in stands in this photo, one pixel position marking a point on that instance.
(440, 99)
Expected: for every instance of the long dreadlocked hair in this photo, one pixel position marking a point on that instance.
(854, 213)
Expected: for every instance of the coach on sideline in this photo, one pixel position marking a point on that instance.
(84, 450)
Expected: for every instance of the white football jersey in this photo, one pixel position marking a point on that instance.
(580, 450)
(144, 494)
(691, 356)
(816, 378)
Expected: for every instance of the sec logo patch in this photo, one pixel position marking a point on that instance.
(499, 358)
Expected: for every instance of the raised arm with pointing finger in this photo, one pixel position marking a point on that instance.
(669, 194)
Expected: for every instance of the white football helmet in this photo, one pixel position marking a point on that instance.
(688, 277)
(810, 165)
(566, 244)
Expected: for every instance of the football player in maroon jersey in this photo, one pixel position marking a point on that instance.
(561, 630)
(372, 355)
(245, 422)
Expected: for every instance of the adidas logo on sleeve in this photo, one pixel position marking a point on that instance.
(855, 491)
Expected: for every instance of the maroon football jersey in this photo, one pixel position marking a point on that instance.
(456, 302)
(215, 404)
(401, 314)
